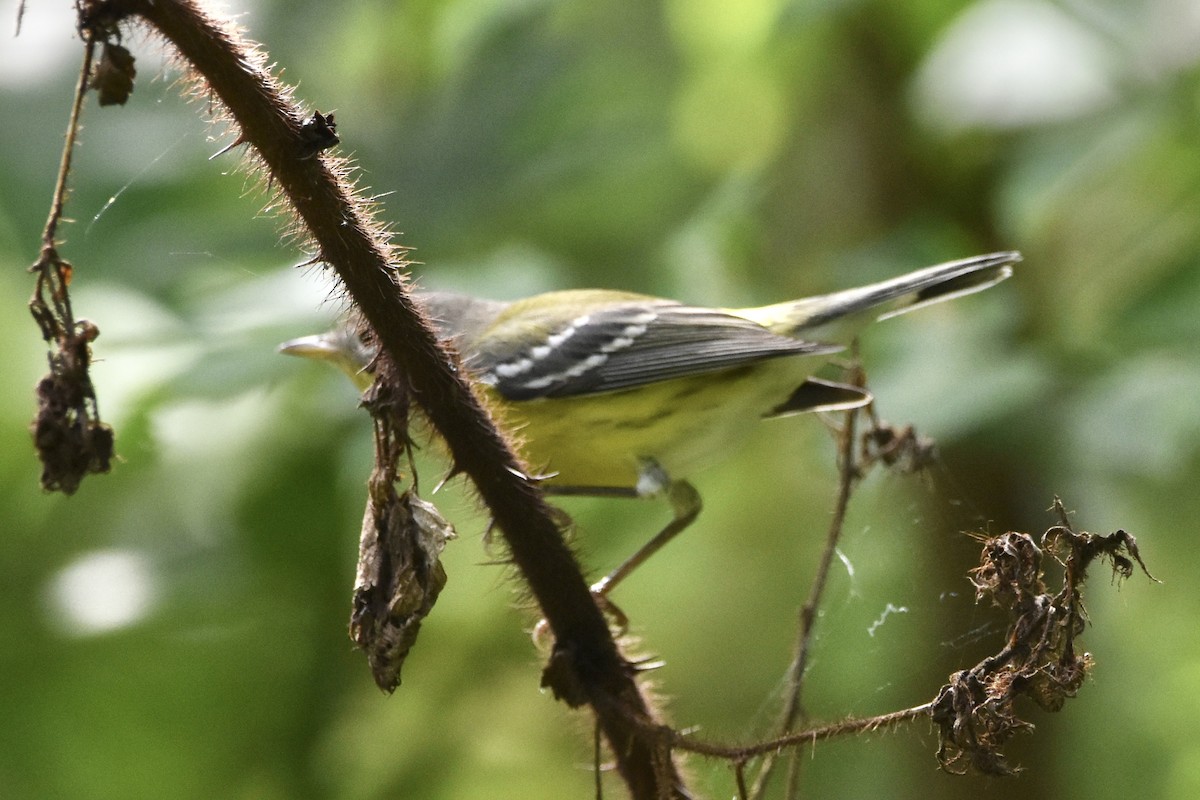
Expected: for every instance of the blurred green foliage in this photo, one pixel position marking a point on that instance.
(177, 628)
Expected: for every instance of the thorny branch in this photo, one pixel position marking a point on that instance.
(586, 666)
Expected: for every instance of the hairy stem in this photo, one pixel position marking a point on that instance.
(586, 666)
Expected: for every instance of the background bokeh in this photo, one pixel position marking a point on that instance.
(177, 628)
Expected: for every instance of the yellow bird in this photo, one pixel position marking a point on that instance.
(623, 394)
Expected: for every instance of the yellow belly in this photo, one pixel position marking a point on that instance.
(603, 440)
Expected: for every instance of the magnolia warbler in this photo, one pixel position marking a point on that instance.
(614, 393)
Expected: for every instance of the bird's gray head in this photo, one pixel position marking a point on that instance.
(457, 318)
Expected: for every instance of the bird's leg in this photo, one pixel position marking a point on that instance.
(685, 503)
(652, 481)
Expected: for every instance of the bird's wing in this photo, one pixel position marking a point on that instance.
(624, 345)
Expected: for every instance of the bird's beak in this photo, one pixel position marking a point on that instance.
(334, 347)
(318, 346)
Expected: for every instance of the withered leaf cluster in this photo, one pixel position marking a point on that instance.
(71, 440)
(399, 573)
(975, 711)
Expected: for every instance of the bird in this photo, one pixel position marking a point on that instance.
(618, 394)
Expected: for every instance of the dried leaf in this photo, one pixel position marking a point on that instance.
(398, 580)
(113, 76)
(976, 709)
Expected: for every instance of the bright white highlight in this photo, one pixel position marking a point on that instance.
(102, 591)
(1012, 63)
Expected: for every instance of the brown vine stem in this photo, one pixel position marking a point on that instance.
(793, 709)
(585, 666)
(50, 268)
(740, 753)
(50, 232)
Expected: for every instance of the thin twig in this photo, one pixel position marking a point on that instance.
(597, 770)
(64, 167)
(50, 268)
(793, 710)
(736, 753)
(739, 774)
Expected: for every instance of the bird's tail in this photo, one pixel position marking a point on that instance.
(830, 317)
